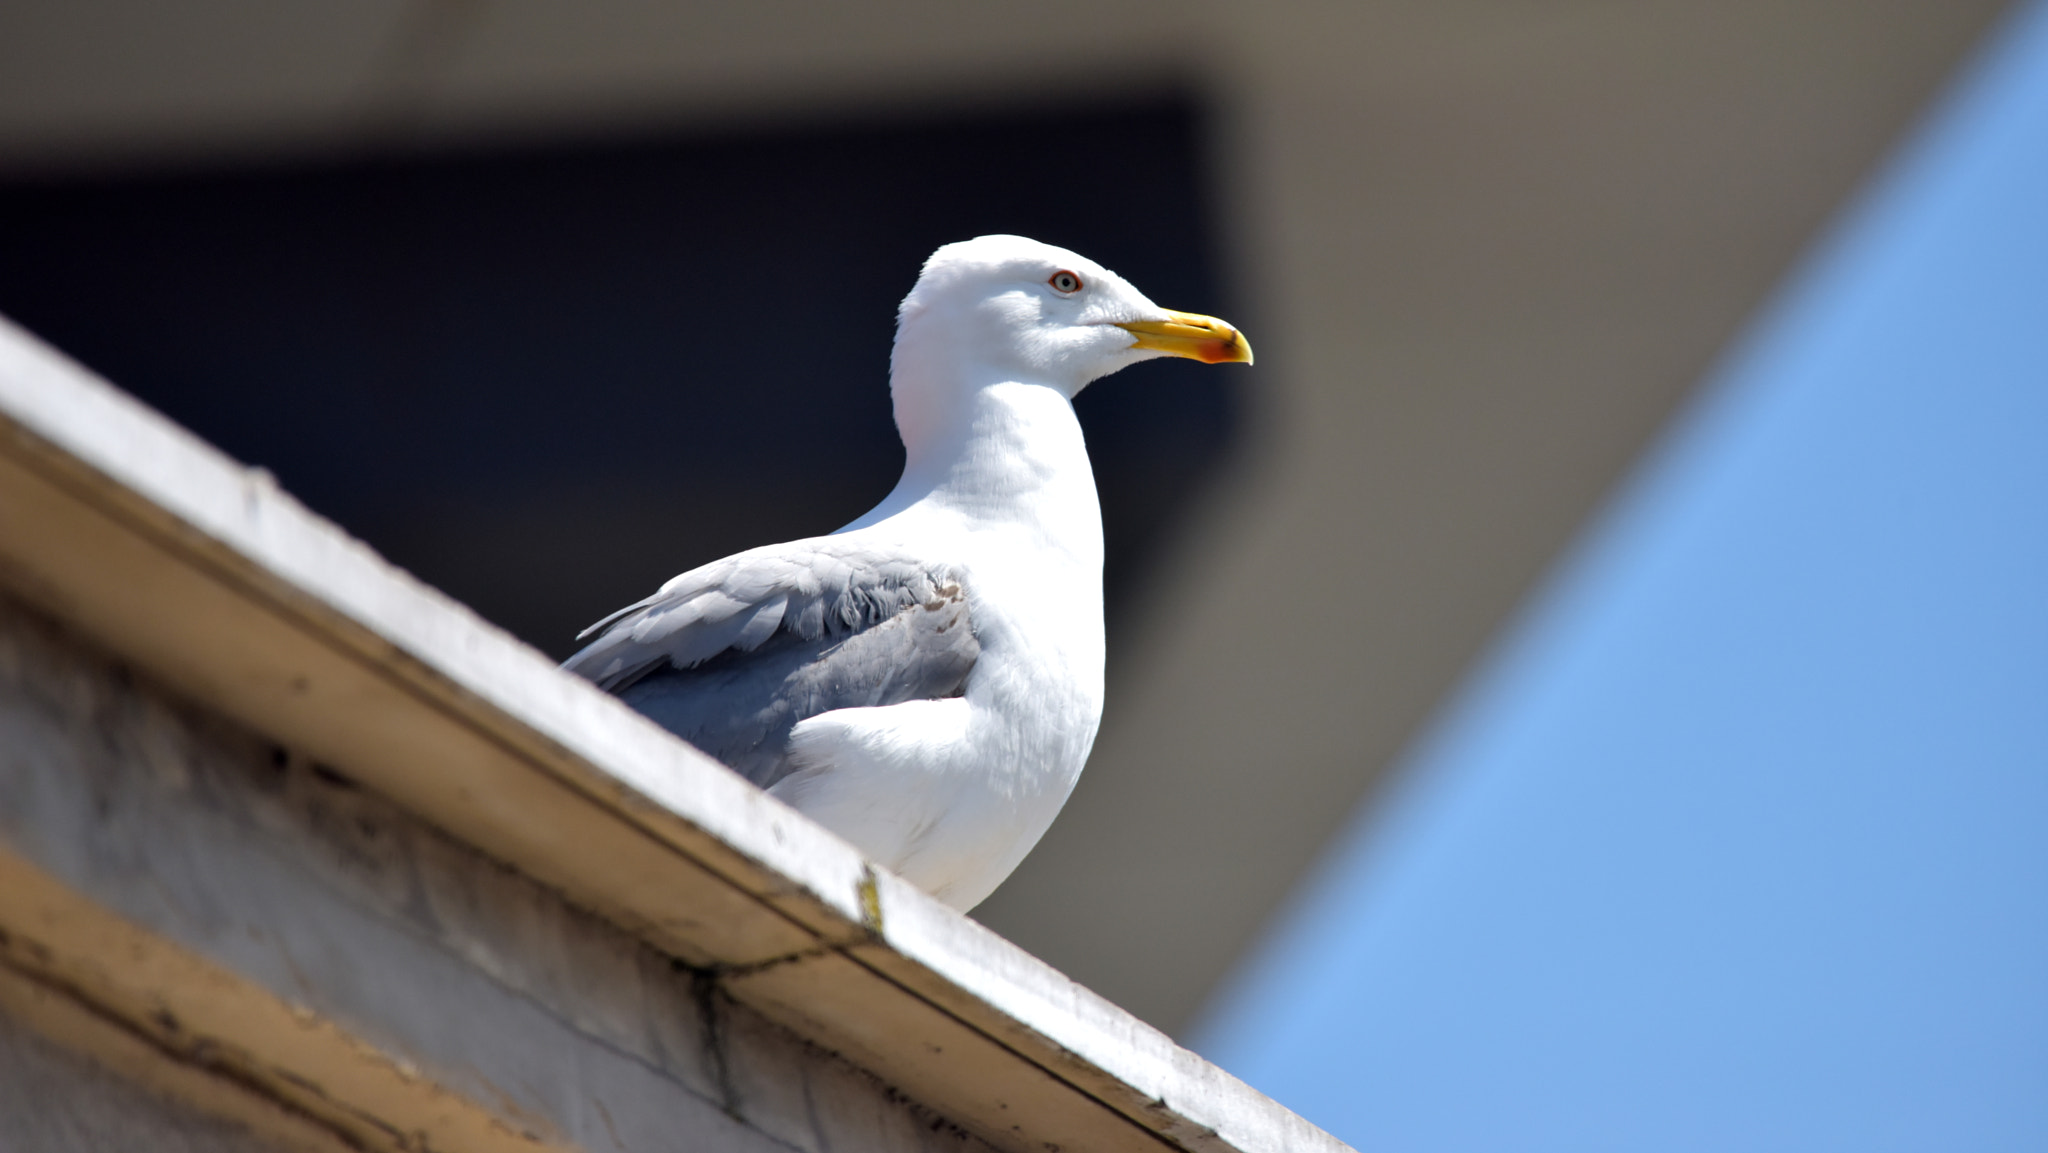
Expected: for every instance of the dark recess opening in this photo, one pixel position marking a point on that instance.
(547, 378)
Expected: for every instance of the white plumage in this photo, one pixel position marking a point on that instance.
(927, 681)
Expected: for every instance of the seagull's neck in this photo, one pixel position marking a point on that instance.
(1000, 451)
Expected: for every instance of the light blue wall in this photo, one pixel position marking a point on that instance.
(1741, 840)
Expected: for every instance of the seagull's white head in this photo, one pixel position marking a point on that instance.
(1004, 308)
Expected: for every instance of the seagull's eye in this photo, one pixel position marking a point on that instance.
(1065, 281)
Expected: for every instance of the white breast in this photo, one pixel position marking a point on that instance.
(952, 794)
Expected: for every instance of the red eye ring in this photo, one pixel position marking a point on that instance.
(1065, 281)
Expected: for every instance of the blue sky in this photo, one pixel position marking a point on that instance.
(1740, 839)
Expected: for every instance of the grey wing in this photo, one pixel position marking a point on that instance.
(732, 655)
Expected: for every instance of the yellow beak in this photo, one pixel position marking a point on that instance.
(1202, 338)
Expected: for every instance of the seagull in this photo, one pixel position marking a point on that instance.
(926, 682)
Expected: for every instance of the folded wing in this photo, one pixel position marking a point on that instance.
(732, 655)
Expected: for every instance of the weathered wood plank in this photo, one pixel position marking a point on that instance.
(54, 1099)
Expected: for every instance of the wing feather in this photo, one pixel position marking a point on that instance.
(730, 656)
